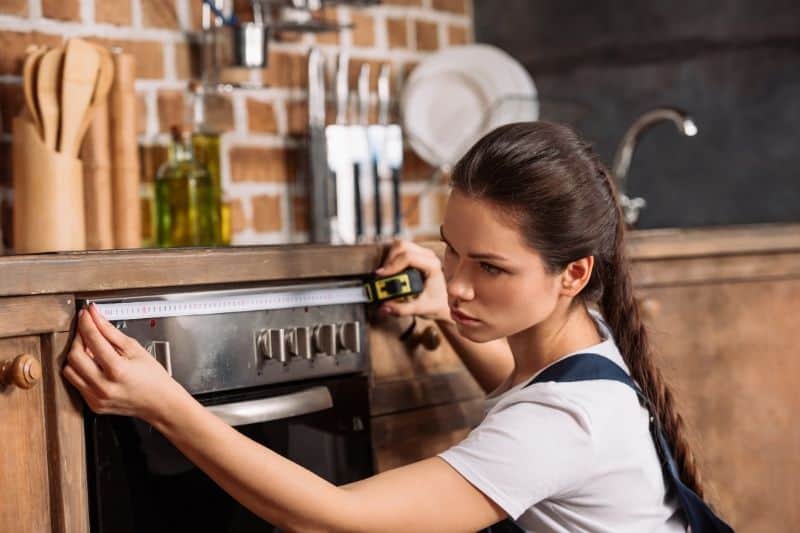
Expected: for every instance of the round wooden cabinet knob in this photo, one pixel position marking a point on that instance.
(429, 338)
(24, 371)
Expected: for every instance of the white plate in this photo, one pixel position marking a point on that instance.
(459, 94)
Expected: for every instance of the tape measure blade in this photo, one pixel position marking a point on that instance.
(183, 305)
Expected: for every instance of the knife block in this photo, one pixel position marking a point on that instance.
(48, 195)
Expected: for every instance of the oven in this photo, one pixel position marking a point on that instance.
(285, 365)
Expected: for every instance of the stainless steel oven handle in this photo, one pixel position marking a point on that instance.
(275, 408)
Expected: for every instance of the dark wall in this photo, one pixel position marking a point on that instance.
(734, 65)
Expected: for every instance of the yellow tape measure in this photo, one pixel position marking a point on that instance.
(408, 283)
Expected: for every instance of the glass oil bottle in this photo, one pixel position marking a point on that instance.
(187, 206)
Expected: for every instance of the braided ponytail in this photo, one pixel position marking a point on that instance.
(622, 312)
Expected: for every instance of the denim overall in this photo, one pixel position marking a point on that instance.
(588, 366)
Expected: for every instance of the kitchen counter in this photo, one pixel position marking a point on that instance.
(150, 268)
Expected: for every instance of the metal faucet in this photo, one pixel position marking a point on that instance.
(622, 159)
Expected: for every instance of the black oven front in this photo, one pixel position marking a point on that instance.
(291, 377)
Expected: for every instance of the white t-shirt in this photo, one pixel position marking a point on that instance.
(569, 457)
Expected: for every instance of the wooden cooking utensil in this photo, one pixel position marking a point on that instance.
(47, 87)
(104, 78)
(29, 84)
(81, 64)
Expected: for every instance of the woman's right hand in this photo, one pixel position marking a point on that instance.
(432, 302)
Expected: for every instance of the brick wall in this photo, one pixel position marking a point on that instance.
(263, 128)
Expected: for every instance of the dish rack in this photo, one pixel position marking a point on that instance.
(444, 167)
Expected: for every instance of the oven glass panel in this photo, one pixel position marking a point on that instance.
(139, 482)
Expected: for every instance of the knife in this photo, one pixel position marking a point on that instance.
(340, 160)
(392, 146)
(359, 143)
(320, 210)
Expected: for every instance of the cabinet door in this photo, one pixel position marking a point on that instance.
(731, 352)
(24, 505)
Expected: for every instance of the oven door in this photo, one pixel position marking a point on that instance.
(139, 482)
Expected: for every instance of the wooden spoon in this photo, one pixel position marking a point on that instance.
(104, 79)
(29, 84)
(47, 86)
(81, 65)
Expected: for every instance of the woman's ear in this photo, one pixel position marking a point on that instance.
(575, 277)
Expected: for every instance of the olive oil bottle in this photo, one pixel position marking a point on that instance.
(187, 204)
(206, 146)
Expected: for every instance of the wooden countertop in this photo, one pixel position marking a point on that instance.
(83, 272)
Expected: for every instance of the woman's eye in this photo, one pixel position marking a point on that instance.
(491, 269)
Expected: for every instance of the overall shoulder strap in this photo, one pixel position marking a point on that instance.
(585, 367)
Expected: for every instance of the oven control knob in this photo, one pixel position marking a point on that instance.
(300, 342)
(272, 344)
(325, 339)
(349, 336)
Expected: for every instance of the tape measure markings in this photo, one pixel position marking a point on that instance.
(210, 305)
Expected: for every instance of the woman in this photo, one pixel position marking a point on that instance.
(534, 238)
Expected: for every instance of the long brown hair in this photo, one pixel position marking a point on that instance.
(555, 188)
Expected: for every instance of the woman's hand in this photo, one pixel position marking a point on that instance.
(113, 372)
(432, 302)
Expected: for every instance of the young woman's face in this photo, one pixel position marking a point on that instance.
(496, 284)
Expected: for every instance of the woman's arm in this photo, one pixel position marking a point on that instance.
(116, 375)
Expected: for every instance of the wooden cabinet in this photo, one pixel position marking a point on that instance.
(422, 401)
(25, 503)
(42, 465)
(732, 352)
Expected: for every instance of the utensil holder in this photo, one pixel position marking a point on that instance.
(48, 195)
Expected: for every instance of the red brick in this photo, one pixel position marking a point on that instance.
(261, 117)
(117, 12)
(267, 213)
(238, 220)
(14, 7)
(457, 35)
(195, 15)
(363, 29)
(427, 36)
(183, 62)
(255, 163)
(14, 43)
(453, 6)
(300, 213)
(149, 55)
(219, 112)
(410, 209)
(329, 37)
(159, 14)
(297, 117)
(61, 9)
(397, 33)
(171, 110)
(286, 70)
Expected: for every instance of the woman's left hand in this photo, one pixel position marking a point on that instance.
(113, 372)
